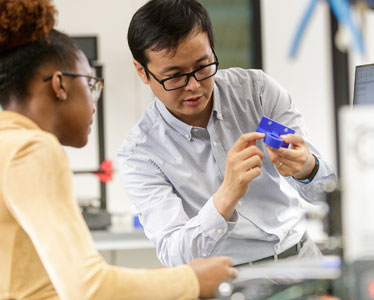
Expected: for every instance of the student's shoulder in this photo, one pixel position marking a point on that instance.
(21, 137)
(37, 145)
(41, 142)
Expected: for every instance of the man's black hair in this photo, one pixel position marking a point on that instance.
(162, 24)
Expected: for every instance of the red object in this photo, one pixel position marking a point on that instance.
(371, 289)
(105, 172)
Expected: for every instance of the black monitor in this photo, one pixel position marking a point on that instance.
(88, 44)
(364, 85)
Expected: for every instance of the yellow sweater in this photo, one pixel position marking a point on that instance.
(46, 250)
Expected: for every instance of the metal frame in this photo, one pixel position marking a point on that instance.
(257, 33)
(340, 68)
(101, 139)
(88, 44)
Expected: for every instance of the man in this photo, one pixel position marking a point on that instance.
(201, 178)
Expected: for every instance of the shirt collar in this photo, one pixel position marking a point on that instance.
(183, 128)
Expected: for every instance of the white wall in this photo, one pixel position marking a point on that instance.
(125, 96)
(308, 77)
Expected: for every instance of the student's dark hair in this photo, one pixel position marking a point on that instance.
(162, 24)
(28, 41)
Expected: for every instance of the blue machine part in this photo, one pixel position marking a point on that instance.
(273, 131)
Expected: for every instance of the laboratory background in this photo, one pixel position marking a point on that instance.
(302, 45)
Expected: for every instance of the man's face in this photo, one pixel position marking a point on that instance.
(191, 104)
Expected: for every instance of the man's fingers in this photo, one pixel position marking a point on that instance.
(284, 153)
(247, 139)
(251, 151)
(253, 173)
(233, 272)
(292, 139)
(226, 260)
(248, 163)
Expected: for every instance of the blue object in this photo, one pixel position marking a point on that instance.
(136, 222)
(302, 26)
(341, 10)
(273, 131)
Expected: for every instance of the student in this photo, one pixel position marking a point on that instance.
(199, 175)
(48, 95)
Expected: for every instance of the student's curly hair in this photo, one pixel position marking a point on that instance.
(28, 41)
(24, 21)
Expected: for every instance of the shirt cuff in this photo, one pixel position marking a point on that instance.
(213, 223)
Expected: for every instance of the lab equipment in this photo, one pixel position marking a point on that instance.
(364, 85)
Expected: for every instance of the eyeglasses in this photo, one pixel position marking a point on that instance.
(95, 84)
(181, 80)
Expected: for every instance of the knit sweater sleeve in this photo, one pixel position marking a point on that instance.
(39, 195)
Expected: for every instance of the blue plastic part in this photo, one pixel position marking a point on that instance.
(136, 222)
(273, 131)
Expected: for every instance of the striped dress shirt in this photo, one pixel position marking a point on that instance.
(171, 171)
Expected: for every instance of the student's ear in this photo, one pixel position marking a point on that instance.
(141, 71)
(58, 86)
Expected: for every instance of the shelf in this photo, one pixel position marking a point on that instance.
(107, 240)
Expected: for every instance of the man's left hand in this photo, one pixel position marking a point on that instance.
(296, 161)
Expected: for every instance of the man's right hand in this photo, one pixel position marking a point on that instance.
(243, 164)
(211, 272)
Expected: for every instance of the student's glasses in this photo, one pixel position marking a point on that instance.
(95, 84)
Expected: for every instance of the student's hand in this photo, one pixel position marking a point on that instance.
(211, 272)
(294, 161)
(243, 164)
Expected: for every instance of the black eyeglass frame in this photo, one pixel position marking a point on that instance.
(74, 75)
(189, 75)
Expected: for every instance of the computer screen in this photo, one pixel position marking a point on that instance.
(88, 44)
(364, 85)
